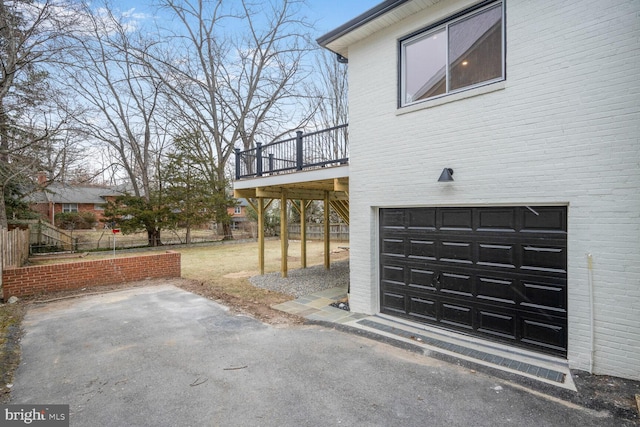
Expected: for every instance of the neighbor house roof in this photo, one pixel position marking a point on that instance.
(67, 193)
(375, 19)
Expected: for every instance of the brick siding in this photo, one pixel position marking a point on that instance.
(41, 279)
(562, 129)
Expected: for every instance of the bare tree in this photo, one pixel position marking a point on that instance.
(31, 113)
(235, 87)
(123, 96)
(329, 97)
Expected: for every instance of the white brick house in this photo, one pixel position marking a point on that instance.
(551, 129)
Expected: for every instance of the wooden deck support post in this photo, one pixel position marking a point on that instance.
(303, 233)
(327, 232)
(261, 235)
(284, 238)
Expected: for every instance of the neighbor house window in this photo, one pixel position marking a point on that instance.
(462, 53)
(69, 207)
(237, 210)
(98, 207)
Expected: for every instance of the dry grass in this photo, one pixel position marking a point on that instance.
(221, 271)
(207, 263)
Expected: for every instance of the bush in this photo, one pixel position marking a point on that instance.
(75, 220)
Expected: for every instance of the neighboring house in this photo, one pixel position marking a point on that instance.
(62, 198)
(238, 213)
(494, 175)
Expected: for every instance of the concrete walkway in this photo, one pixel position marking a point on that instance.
(547, 374)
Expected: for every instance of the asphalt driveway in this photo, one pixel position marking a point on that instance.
(160, 356)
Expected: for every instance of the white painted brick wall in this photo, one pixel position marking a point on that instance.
(565, 129)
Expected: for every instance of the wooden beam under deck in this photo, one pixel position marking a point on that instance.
(334, 193)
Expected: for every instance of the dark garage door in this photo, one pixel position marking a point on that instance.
(494, 272)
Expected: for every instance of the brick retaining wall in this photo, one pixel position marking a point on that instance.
(40, 279)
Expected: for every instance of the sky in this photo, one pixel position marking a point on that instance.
(327, 14)
(330, 14)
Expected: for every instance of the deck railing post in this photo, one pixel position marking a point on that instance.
(237, 150)
(258, 159)
(299, 156)
(270, 162)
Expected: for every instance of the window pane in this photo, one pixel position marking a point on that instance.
(475, 49)
(425, 66)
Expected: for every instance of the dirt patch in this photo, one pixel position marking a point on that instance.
(611, 393)
(258, 305)
(11, 316)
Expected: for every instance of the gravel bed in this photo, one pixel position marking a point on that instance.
(305, 281)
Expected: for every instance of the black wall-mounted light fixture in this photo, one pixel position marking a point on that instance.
(446, 175)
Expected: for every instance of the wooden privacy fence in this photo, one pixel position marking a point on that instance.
(46, 238)
(316, 231)
(15, 247)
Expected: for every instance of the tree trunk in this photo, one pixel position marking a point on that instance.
(153, 236)
(188, 238)
(226, 231)
(3, 210)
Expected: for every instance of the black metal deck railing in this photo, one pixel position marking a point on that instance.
(327, 147)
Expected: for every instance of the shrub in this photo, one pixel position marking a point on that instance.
(75, 220)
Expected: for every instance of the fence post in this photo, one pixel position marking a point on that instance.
(237, 150)
(258, 159)
(270, 162)
(299, 156)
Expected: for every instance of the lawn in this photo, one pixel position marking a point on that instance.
(221, 270)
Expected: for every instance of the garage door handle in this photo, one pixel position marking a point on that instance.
(436, 279)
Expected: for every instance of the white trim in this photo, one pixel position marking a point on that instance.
(293, 178)
(457, 96)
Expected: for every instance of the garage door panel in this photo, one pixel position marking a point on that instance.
(421, 219)
(497, 220)
(458, 284)
(547, 334)
(422, 249)
(455, 219)
(500, 324)
(393, 274)
(499, 291)
(543, 258)
(393, 247)
(457, 315)
(393, 218)
(496, 271)
(423, 309)
(394, 303)
(455, 252)
(544, 219)
(546, 296)
(422, 279)
(497, 255)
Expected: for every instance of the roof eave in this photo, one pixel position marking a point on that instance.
(358, 22)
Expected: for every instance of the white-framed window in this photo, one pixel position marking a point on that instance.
(98, 207)
(463, 52)
(237, 210)
(69, 207)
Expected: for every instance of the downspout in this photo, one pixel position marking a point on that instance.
(592, 312)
